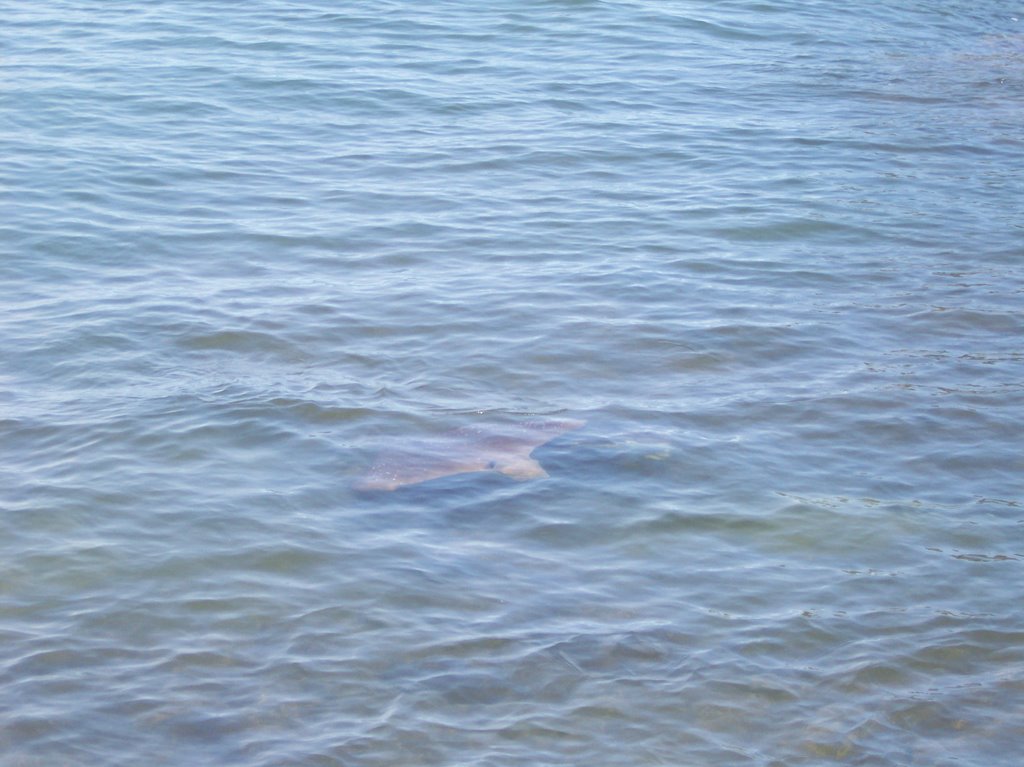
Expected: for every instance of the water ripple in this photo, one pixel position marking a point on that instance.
(770, 251)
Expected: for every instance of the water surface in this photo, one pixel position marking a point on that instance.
(770, 251)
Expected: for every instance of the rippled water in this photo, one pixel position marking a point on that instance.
(772, 252)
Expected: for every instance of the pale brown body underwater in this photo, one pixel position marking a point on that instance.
(502, 448)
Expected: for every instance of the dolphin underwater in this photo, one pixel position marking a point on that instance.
(502, 448)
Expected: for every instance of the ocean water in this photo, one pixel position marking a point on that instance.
(772, 252)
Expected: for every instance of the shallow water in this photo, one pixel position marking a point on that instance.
(771, 252)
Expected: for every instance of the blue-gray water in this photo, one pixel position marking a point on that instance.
(771, 251)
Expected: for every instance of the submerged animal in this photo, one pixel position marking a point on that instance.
(503, 448)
